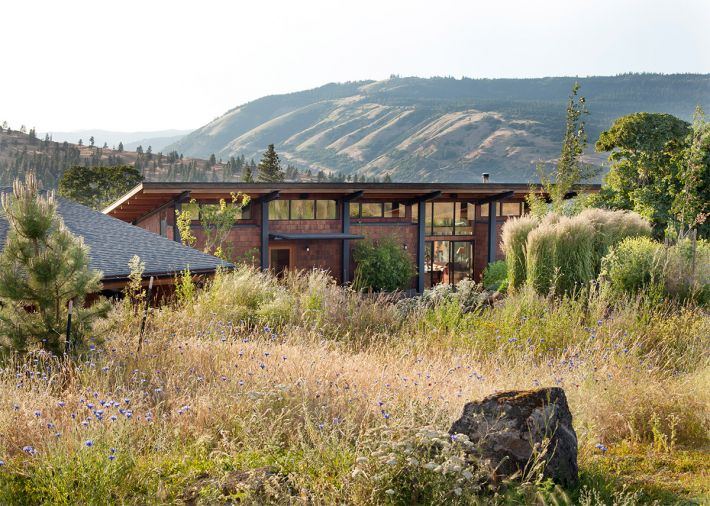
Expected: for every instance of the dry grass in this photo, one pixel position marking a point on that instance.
(296, 376)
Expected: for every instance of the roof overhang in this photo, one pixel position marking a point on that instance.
(149, 196)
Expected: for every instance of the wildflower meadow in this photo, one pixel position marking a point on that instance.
(298, 391)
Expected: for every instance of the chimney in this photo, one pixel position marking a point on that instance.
(486, 177)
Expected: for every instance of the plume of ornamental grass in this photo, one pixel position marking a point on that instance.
(514, 238)
(610, 228)
(574, 239)
(540, 260)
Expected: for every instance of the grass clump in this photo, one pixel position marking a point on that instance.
(561, 254)
(514, 239)
(678, 272)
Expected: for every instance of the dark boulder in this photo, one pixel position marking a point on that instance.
(515, 430)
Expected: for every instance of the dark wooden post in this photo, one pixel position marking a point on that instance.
(177, 206)
(421, 254)
(145, 313)
(492, 231)
(345, 220)
(264, 250)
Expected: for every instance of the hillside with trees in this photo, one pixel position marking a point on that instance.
(437, 129)
(22, 151)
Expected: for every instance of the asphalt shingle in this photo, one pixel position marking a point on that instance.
(112, 243)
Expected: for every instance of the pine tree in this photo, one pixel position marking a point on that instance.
(42, 268)
(120, 147)
(248, 175)
(270, 167)
(91, 141)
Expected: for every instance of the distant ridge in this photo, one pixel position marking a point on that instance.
(436, 129)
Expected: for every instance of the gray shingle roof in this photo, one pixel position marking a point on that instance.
(113, 242)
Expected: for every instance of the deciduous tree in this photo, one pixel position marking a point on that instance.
(97, 187)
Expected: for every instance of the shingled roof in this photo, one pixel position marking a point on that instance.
(113, 242)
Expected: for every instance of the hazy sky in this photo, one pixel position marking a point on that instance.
(148, 65)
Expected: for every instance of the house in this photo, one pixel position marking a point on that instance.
(112, 243)
(451, 231)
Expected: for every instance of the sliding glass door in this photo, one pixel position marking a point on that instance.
(447, 262)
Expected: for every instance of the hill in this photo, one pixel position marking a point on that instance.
(437, 129)
(158, 139)
(22, 151)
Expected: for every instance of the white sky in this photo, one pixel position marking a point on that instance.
(148, 65)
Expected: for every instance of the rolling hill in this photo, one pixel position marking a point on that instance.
(437, 129)
(21, 152)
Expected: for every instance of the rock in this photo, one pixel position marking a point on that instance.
(507, 426)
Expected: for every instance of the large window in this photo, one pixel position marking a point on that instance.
(505, 209)
(194, 209)
(303, 210)
(377, 210)
(446, 218)
(447, 262)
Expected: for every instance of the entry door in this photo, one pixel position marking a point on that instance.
(280, 260)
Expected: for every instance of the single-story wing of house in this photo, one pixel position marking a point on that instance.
(451, 231)
(112, 243)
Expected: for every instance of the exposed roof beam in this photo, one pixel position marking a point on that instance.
(184, 196)
(353, 196)
(496, 197)
(274, 195)
(423, 198)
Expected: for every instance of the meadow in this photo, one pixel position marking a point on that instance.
(298, 391)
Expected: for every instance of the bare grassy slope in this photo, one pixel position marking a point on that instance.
(436, 129)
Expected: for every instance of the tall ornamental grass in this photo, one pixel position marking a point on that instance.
(541, 257)
(573, 257)
(514, 238)
(560, 254)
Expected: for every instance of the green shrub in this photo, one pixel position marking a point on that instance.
(633, 265)
(495, 276)
(680, 272)
(382, 266)
(514, 237)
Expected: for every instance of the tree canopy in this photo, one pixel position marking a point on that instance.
(660, 169)
(97, 187)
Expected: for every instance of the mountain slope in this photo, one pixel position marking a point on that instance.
(21, 152)
(438, 129)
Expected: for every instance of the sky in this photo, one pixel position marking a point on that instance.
(152, 65)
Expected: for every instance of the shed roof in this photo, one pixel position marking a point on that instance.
(150, 195)
(112, 243)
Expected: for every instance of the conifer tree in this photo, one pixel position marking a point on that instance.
(270, 167)
(42, 268)
(248, 175)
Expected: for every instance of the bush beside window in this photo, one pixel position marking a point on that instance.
(382, 267)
